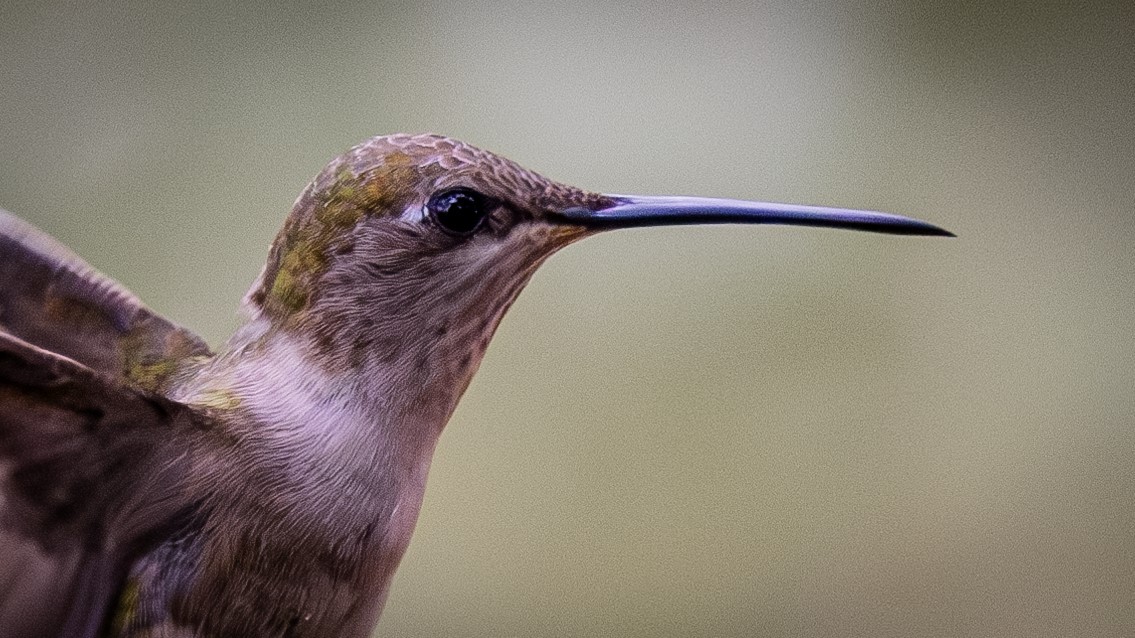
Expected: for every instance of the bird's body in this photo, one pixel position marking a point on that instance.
(152, 487)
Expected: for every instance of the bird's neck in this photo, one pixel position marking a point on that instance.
(342, 453)
(280, 388)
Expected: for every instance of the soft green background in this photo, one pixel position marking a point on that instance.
(691, 432)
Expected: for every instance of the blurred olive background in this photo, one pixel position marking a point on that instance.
(717, 431)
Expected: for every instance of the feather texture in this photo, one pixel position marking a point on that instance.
(53, 299)
(79, 433)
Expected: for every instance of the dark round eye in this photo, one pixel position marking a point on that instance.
(459, 211)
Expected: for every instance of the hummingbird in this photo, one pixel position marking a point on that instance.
(151, 486)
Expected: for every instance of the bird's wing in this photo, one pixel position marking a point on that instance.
(53, 299)
(92, 457)
(91, 468)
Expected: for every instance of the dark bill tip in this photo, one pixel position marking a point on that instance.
(631, 211)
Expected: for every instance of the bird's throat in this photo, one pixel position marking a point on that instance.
(327, 459)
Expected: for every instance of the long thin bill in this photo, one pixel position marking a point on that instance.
(632, 211)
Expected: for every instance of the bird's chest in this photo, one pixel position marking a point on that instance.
(277, 557)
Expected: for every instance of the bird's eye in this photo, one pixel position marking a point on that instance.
(459, 211)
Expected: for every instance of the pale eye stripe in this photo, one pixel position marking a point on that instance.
(413, 213)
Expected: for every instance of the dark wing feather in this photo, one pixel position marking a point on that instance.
(91, 470)
(92, 457)
(53, 299)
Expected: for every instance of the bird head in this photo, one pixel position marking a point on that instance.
(407, 250)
